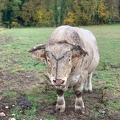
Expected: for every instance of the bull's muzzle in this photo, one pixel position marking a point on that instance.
(58, 82)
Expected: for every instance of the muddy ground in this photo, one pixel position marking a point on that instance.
(23, 82)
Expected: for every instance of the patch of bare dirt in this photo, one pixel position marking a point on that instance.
(92, 111)
(5, 38)
(26, 81)
(6, 106)
(20, 81)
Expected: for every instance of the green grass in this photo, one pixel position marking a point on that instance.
(21, 40)
(14, 55)
(26, 114)
(115, 105)
(15, 42)
(10, 94)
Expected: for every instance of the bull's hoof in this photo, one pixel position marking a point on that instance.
(79, 108)
(88, 91)
(60, 108)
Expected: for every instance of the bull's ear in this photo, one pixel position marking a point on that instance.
(39, 54)
(78, 53)
(38, 51)
(79, 50)
(75, 54)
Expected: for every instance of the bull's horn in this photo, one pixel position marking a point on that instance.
(41, 46)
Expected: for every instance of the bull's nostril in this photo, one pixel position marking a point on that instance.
(58, 82)
(54, 81)
(62, 82)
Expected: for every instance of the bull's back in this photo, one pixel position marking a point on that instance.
(90, 44)
(59, 33)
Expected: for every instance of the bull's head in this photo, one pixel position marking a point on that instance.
(60, 57)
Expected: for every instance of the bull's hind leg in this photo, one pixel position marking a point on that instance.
(88, 83)
(60, 101)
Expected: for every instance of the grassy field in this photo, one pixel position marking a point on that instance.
(22, 79)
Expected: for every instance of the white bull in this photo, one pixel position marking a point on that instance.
(71, 56)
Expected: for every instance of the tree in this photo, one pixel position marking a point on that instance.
(2, 8)
(10, 11)
(103, 12)
(44, 18)
(26, 14)
(114, 8)
(56, 13)
(63, 11)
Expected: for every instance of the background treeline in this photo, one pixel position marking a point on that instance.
(58, 12)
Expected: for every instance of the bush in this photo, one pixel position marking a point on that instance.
(15, 24)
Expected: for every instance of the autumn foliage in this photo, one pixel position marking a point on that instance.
(57, 12)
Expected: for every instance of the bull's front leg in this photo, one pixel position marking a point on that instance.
(79, 104)
(60, 101)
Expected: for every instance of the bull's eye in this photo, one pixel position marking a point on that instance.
(48, 60)
(53, 68)
(69, 58)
